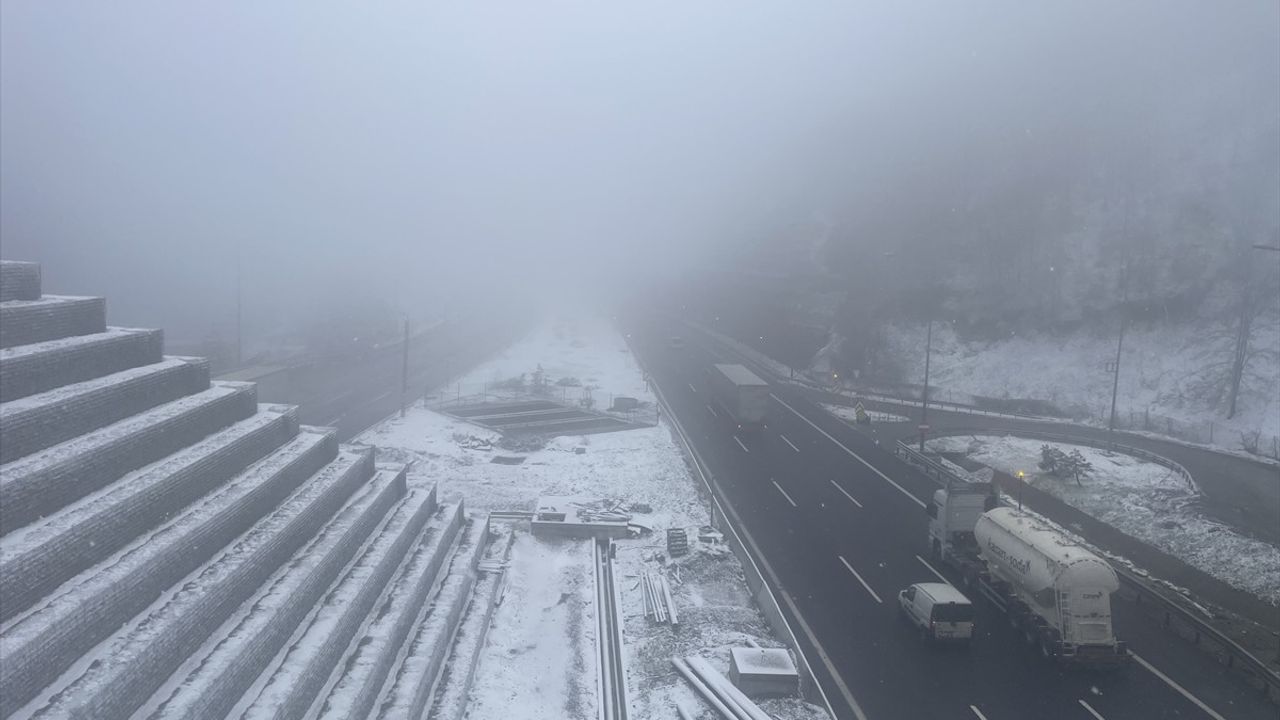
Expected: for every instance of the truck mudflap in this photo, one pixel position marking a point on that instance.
(1095, 656)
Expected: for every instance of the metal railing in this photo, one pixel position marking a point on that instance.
(613, 672)
(1175, 616)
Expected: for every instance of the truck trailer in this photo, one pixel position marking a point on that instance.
(740, 393)
(1055, 593)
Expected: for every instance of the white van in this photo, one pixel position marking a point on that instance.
(939, 611)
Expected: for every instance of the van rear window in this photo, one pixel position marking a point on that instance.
(952, 612)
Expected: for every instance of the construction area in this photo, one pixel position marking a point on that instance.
(620, 600)
(171, 547)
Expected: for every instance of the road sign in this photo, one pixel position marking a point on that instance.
(860, 414)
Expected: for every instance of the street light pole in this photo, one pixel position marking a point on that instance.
(924, 407)
(239, 312)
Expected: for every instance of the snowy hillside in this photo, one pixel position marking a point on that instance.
(1163, 384)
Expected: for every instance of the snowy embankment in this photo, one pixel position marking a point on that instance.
(538, 661)
(1163, 386)
(848, 414)
(1144, 500)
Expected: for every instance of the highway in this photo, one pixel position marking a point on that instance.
(840, 523)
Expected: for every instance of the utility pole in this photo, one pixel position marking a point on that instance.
(924, 407)
(404, 368)
(239, 311)
(1115, 380)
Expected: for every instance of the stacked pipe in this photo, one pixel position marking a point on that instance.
(716, 689)
(657, 598)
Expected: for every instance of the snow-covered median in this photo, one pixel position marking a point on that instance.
(1141, 499)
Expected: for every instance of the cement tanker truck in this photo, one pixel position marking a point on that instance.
(1055, 593)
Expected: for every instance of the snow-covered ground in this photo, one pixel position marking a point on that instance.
(848, 414)
(1162, 383)
(1142, 499)
(539, 658)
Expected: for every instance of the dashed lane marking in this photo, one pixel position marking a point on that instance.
(744, 447)
(785, 440)
(859, 577)
(691, 387)
(1169, 681)
(977, 712)
(1092, 712)
(932, 570)
(852, 454)
(712, 411)
(784, 493)
(844, 492)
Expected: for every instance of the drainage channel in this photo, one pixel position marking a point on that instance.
(613, 674)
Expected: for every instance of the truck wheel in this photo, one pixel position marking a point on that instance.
(1048, 647)
(924, 635)
(1031, 634)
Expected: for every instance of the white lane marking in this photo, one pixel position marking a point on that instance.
(1092, 712)
(784, 493)
(759, 561)
(864, 582)
(977, 712)
(744, 447)
(853, 454)
(932, 570)
(712, 411)
(1169, 681)
(846, 493)
(691, 387)
(785, 440)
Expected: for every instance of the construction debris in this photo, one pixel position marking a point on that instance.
(763, 671)
(657, 598)
(723, 696)
(677, 542)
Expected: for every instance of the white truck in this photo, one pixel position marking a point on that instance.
(741, 393)
(1055, 593)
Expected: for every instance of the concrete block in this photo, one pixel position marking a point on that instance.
(19, 280)
(41, 483)
(45, 643)
(140, 658)
(39, 558)
(30, 369)
(52, 317)
(242, 654)
(763, 671)
(39, 421)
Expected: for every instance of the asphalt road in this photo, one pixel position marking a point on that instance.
(840, 522)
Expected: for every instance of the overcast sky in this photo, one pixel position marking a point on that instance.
(446, 147)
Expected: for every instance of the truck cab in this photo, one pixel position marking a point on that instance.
(953, 513)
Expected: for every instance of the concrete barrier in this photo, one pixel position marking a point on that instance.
(19, 280)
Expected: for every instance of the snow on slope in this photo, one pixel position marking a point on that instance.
(1141, 499)
(1159, 371)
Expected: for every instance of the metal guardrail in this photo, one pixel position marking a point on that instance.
(613, 672)
(1236, 656)
(725, 519)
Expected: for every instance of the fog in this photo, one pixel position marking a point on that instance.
(417, 151)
